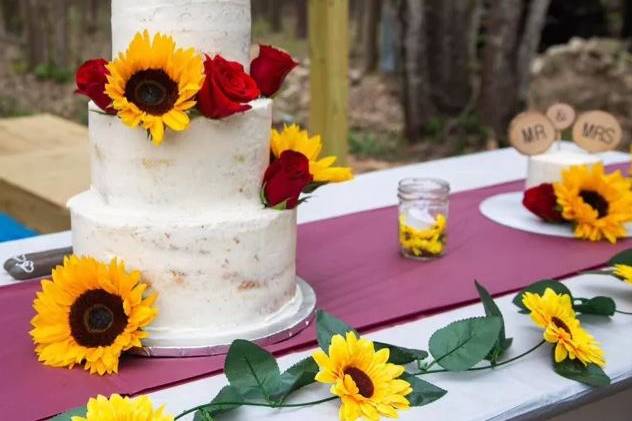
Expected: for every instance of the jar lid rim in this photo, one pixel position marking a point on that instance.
(423, 184)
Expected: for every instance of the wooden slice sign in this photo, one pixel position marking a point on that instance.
(531, 133)
(561, 115)
(597, 131)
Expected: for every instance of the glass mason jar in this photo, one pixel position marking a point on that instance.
(423, 217)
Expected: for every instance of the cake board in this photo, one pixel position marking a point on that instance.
(280, 327)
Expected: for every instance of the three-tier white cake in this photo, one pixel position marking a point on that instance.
(188, 214)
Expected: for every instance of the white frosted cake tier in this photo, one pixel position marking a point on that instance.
(216, 271)
(212, 163)
(548, 167)
(210, 26)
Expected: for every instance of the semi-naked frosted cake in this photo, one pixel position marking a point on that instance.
(548, 167)
(188, 214)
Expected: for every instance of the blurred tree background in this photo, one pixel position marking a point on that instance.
(428, 78)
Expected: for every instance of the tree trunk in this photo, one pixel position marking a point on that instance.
(452, 48)
(531, 36)
(499, 84)
(390, 38)
(301, 19)
(62, 34)
(34, 17)
(416, 93)
(371, 32)
(444, 73)
(93, 16)
(3, 21)
(626, 29)
(276, 15)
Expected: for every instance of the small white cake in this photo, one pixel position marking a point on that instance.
(548, 167)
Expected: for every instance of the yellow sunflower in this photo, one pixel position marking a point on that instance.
(623, 272)
(598, 204)
(554, 313)
(367, 384)
(423, 241)
(295, 139)
(118, 408)
(154, 84)
(547, 306)
(90, 312)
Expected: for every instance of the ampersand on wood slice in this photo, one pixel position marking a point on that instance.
(561, 115)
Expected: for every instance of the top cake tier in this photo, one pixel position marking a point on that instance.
(210, 26)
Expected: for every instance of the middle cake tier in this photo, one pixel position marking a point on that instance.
(212, 163)
(220, 272)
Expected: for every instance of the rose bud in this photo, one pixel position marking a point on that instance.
(270, 68)
(227, 88)
(285, 179)
(542, 202)
(91, 78)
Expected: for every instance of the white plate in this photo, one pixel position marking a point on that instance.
(507, 209)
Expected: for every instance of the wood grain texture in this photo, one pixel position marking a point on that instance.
(44, 161)
(329, 80)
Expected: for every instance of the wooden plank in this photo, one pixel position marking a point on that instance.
(32, 210)
(44, 160)
(329, 70)
(39, 132)
(54, 175)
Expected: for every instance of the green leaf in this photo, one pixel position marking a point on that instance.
(251, 370)
(463, 344)
(67, 416)
(229, 395)
(423, 392)
(600, 306)
(400, 355)
(280, 206)
(299, 375)
(539, 288)
(491, 309)
(592, 374)
(311, 187)
(327, 326)
(623, 258)
(202, 415)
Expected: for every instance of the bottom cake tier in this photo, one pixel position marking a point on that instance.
(220, 274)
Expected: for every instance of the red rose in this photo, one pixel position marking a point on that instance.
(270, 68)
(542, 202)
(91, 78)
(286, 178)
(226, 90)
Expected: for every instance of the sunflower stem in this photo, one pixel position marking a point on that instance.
(443, 370)
(266, 405)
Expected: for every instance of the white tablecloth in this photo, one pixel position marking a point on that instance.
(527, 388)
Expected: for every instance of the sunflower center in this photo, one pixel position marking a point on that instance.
(97, 318)
(362, 381)
(595, 201)
(152, 90)
(560, 324)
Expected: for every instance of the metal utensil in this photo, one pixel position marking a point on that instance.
(35, 265)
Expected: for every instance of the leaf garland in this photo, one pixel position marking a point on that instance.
(253, 373)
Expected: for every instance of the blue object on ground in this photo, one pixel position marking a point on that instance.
(10, 229)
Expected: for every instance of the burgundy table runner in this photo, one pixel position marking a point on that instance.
(353, 264)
